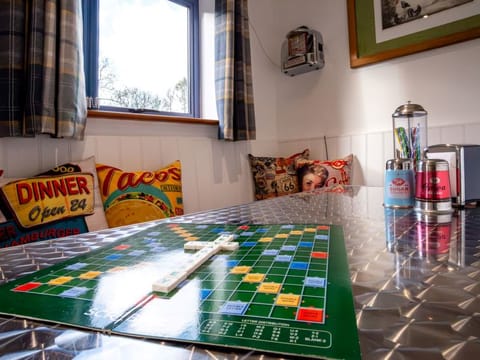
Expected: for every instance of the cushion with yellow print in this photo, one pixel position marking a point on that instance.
(45, 199)
(139, 196)
(97, 220)
(60, 202)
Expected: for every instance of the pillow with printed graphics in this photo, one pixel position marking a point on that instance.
(275, 176)
(316, 174)
(60, 202)
(139, 196)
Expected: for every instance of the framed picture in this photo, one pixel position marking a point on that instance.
(385, 29)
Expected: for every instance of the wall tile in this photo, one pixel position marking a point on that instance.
(375, 159)
(343, 147)
(434, 136)
(22, 157)
(108, 150)
(452, 134)
(83, 149)
(317, 148)
(359, 150)
(472, 134)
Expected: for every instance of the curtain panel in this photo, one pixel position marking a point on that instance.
(42, 81)
(233, 71)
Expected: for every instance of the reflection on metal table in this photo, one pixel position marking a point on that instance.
(416, 282)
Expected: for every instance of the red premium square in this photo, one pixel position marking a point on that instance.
(27, 287)
(319, 255)
(310, 315)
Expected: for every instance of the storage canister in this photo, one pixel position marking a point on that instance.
(399, 184)
(433, 235)
(409, 132)
(432, 191)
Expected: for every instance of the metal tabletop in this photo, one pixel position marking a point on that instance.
(415, 280)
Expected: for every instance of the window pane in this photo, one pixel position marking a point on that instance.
(143, 60)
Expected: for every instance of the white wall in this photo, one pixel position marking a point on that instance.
(353, 107)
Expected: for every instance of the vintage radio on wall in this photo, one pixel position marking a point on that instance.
(302, 51)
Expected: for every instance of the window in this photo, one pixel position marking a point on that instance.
(142, 56)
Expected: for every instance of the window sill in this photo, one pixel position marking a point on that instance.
(149, 117)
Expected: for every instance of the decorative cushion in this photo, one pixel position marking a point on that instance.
(133, 197)
(97, 221)
(60, 202)
(314, 174)
(275, 176)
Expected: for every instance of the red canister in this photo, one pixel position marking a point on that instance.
(432, 189)
(433, 235)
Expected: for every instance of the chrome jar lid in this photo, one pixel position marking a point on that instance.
(398, 164)
(409, 110)
(432, 165)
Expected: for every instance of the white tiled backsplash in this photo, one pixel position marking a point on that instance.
(372, 150)
(215, 173)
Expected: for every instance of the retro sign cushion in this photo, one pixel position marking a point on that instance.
(62, 201)
(97, 221)
(139, 196)
(42, 200)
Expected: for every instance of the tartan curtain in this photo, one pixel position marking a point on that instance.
(42, 81)
(233, 71)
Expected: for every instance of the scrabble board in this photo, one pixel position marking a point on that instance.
(281, 289)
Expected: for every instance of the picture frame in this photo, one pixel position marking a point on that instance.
(362, 38)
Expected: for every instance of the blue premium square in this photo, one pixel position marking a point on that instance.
(307, 244)
(315, 282)
(76, 266)
(283, 258)
(234, 308)
(299, 265)
(270, 252)
(113, 257)
(74, 292)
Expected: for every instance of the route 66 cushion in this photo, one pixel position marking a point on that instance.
(60, 202)
(139, 196)
(275, 176)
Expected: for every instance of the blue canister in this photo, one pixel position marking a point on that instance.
(399, 184)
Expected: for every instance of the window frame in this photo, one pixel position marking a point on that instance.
(91, 52)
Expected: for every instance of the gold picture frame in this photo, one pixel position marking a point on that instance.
(364, 50)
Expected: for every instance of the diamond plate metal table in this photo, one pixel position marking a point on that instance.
(415, 279)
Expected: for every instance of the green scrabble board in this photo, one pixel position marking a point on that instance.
(284, 290)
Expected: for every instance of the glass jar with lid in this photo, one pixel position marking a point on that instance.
(409, 132)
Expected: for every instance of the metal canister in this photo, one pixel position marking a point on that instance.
(398, 225)
(433, 235)
(399, 184)
(432, 191)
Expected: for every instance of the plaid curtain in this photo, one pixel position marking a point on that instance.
(233, 71)
(42, 81)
